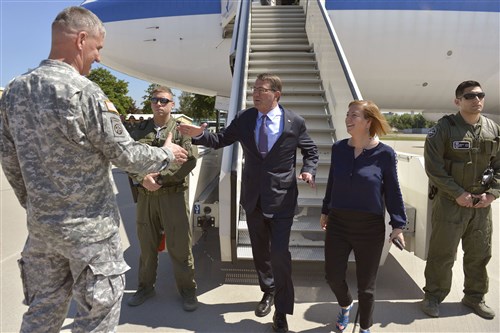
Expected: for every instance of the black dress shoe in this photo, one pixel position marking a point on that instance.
(264, 306)
(279, 322)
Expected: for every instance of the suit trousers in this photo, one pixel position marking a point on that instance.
(272, 259)
(364, 234)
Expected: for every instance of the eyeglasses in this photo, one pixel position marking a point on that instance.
(163, 101)
(470, 96)
(261, 90)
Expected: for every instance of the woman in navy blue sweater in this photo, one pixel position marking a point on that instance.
(362, 183)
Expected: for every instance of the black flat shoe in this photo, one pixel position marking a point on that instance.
(279, 322)
(264, 306)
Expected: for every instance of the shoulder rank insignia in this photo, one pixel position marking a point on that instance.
(108, 106)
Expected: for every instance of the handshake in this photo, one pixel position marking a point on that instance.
(180, 154)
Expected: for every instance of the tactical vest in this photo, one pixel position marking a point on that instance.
(470, 149)
(175, 175)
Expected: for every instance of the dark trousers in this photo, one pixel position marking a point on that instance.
(272, 259)
(364, 234)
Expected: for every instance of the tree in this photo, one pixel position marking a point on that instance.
(116, 90)
(406, 121)
(198, 107)
(146, 108)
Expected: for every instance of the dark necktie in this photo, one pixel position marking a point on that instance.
(263, 137)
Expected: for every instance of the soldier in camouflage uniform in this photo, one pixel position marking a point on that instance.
(58, 135)
(462, 160)
(162, 207)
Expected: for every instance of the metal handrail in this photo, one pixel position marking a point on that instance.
(353, 86)
(238, 60)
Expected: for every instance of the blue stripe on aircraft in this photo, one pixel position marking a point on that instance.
(446, 5)
(121, 10)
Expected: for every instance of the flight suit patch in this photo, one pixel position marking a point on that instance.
(432, 132)
(461, 145)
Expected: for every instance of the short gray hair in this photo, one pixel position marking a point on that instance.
(79, 19)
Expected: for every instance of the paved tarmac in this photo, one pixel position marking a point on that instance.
(229, 292)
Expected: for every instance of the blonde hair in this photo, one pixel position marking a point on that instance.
(379, 125)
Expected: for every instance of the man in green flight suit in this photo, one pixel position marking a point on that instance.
(162, 207)
(462, 160)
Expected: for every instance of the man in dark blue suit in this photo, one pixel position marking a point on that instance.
(270, 136)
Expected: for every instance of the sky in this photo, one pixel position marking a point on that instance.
(25, 40)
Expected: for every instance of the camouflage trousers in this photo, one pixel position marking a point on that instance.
(53, 272)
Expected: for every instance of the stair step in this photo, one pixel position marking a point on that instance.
(312, 130)
(277, 25)
(282, 17)
(281, 47)
(278, 20)
(290, 94)
(296, 239)
(259, 8)
(281, 55)
(271, 35)
(300, 224)
(280, 30)
(298, 253)
(289, 70)
(308, 202)
(283, 62)
(297, 91)
(279, 41)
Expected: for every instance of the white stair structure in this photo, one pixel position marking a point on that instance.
(279, 45)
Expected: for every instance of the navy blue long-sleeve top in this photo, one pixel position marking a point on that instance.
(368, 183)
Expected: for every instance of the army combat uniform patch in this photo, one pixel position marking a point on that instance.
(116, 124)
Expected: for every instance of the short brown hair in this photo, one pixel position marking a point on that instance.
(274, 80)
(379, 125)
(159, 89)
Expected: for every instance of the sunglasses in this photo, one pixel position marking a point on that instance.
(470, 96)
(163, 101)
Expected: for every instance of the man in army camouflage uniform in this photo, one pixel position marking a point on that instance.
(462, 160)
(58, 135)
(162, 207)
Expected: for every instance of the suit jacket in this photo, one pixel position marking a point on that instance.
(273, 178)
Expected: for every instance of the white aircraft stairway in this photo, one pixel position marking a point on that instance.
(279, 45)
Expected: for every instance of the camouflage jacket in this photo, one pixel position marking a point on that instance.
(58, 135)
